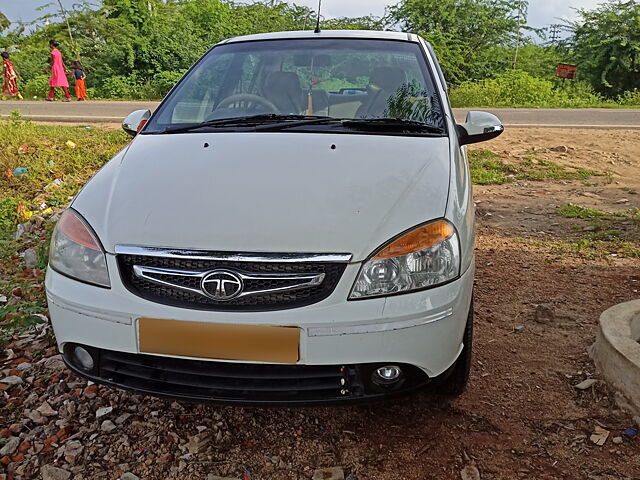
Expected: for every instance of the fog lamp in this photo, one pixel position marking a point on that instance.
(83, 358)
(388, 374)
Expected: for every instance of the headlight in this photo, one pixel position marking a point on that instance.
(425, 257)
(76, 251)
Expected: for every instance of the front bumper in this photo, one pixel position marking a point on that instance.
(420, 331)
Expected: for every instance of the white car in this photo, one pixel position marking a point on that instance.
(293, 225)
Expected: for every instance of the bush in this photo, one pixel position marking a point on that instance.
(516, 88)
(512, 88)
(164, 81)
(38, 87)
(630, 99)
(119, 86)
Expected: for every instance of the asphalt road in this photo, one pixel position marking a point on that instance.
(114, 112)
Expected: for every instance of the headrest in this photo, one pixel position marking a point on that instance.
(387, 78)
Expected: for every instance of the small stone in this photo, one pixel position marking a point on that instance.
(108, 426)
(3, 299)
(201, 428)
(561, 149)
(24, 366)
(12, 380)
(599, 435)
(519, 328)
(30, 258)
(617, 440)
(122, 418)
(623, 200)
(331, 473)
(197, 443)
(36, 417)
(10, 447)
(91, 391)
(46, 410)
(470, 472)
(54, 363)
(101, 412)
(129, 476)
(544, 314)
(585, 384)
(49, 472)
(589, 228)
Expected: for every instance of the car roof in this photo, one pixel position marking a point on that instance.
(370, 34)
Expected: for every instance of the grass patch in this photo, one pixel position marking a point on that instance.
(576, 211)
(487, 168)
(59, 160)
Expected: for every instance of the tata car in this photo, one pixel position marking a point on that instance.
(292, 225)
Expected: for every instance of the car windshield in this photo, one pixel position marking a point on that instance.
(322, 84)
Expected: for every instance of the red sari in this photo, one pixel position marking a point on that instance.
(9, 85)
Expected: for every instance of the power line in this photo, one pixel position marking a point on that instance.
(554, 33)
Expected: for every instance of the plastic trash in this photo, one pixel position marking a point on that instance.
(19, 171)
(139, 452)
(70, 144)
(9, 174)
(22, 149)
(631, 432)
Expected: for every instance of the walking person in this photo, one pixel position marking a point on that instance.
(58, 73)
(10, 78)
(80, 76)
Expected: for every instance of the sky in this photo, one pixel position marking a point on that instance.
(541, 12)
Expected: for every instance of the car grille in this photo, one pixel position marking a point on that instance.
(179, 295)
(240, 383)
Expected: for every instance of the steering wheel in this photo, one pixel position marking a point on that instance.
(247, 99)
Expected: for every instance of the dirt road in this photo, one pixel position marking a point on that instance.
(522, 416)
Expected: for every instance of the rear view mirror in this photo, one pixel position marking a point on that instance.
(479, 127)
(135, 121)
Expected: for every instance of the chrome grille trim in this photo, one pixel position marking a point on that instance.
(303, 280)
(167, 252)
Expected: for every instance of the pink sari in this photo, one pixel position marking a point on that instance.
(58, 76)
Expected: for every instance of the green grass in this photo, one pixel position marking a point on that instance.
(488, 169)
(576, 211)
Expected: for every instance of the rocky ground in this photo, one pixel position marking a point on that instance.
(535, 408)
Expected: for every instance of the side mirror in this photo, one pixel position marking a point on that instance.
(135, 121)
(479, 127)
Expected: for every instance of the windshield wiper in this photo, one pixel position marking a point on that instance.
(394, 123)
(249, 120)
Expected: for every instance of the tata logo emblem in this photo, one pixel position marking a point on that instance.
(222, 285)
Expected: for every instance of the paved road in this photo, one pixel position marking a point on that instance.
(110, 112)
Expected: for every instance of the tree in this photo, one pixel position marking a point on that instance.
(463, 31)
(606, 44)
(4, 22)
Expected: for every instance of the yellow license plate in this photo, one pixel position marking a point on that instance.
(251, 343)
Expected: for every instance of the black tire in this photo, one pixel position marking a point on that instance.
(455, 380)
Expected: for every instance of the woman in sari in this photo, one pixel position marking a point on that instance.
(58, 73)
(10, 77)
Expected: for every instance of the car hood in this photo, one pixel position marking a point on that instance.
(267, 192)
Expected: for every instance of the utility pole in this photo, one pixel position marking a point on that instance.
(554, 33)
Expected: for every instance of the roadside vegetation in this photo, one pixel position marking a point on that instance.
(138, 49)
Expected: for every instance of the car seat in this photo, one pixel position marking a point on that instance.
(383, 83)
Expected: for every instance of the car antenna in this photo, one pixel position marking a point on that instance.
(317, 30)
